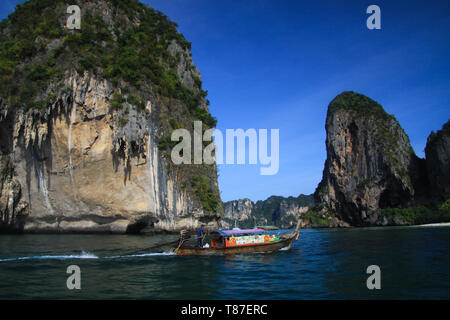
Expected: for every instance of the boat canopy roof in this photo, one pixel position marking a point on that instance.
(236, 232)
(268, 227)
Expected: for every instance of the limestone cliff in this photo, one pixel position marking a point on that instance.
(239, 210)
(275, 210)
(370, 164)
(86, 117)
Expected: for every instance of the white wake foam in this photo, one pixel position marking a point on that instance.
(441, 224)
(87, 255)
(152, 254)
(83, 255)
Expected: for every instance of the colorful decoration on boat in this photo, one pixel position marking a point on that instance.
(252, 239)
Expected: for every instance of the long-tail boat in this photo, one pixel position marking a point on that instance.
(237, 241)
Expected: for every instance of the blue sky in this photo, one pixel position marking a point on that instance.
(277, 64)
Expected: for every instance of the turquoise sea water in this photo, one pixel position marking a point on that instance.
(322, 264)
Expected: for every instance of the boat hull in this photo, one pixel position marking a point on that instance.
(265, 247)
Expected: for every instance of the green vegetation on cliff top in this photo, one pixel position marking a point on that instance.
(359, 103)
(35, 50)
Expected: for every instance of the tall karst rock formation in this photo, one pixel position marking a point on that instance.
(437, 153)
(370, 164)
(86, 117)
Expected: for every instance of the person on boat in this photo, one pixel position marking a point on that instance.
(200, 236)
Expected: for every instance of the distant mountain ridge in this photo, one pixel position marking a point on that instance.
(275, 210)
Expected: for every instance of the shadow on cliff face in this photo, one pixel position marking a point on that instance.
(118, 156)
(6, 130)
(34, 146)
(124, 154)
(145, 221)
(38, 155)
(420, 181)
(437, 152)
(394, 196)
(347, 210)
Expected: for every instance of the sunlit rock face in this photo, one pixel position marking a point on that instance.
(275, 210)
(72, 172)
(74, 156)
(238, 209)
